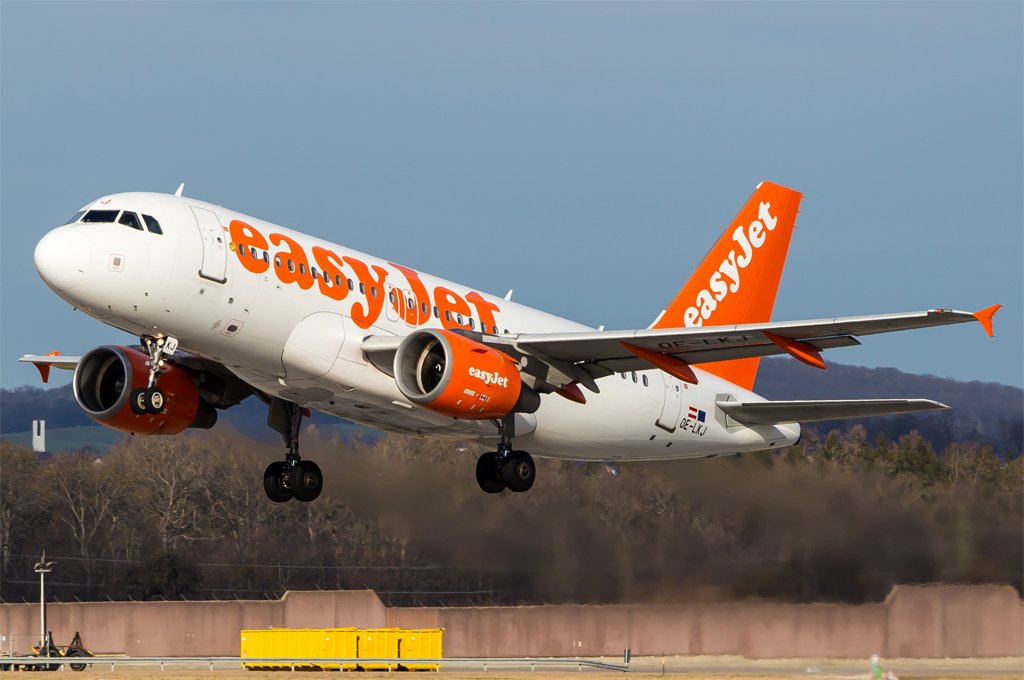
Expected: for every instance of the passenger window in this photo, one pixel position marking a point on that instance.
(77, 216)
(266, 256)
(472, 324)
(645, 380)
(634, 376)
(437, 315)
(447, 315)
(373, 291)
(130, 219)
(255, 254)
(291, 265)
(277, 260)
(313, 272)
(410, 304)
(425, 307)
(351, 286)
(302, 268)
(459, 320)
(391, 296)
(154, 227)
(100, 216)
(362, 288)
(337, 279)
(494, 329)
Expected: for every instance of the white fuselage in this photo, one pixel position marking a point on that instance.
(299, 338)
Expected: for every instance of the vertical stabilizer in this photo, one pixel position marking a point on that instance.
(738, 279)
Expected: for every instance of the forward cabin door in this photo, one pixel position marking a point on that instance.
(215, 252)
(673, 403)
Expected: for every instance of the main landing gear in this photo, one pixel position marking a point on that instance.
(291, 477)
(151, 399)
(505, 468)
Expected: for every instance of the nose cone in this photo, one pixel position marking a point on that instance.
(61, 257)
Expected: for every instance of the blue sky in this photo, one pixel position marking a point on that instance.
(585, 154)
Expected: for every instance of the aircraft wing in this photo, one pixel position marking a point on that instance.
(774, 412)
(52, 360)
(673, 349)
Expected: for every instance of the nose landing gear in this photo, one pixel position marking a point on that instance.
(291, 477)
(505, 468)
(151, 399)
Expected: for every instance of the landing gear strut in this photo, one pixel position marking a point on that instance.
(151, 399)
(292, 477)
(505, 468)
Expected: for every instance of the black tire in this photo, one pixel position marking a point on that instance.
(306, 481)
(137, 401)
(274, 482)
(155, 400)
(519, 472)
(487, 474)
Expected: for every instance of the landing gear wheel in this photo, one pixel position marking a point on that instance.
(274, 482)
(154, 400)
(137, 401)
(519, 471)
(488, 473)
(305, 481)
(145, 400)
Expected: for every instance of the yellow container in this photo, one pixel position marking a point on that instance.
(290, 643)
(340, 643)
(376, 643)
(419, 644)
(309, 644)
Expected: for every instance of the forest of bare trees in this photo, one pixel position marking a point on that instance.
(834, 519)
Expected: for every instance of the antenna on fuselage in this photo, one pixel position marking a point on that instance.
(181, 187)
(508, 295)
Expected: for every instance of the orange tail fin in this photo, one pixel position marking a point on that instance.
(737, 281)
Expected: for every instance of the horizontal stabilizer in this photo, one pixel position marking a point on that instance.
(773, 412)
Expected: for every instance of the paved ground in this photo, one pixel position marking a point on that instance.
(714, 667)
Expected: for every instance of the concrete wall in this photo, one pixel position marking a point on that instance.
(914, 621)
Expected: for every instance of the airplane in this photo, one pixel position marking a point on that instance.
(228, 306)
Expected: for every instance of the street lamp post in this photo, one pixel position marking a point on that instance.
(43, 568)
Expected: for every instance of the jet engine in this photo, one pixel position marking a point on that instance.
(105, 378)
(459, 377)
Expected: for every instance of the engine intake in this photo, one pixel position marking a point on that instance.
(105, 378)
(451, 374)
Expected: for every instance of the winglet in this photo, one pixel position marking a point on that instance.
(984, 317)
(44, 369)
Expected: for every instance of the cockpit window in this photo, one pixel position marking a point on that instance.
(78, 216)
(154, 226)
(108, 216)
(130, 219)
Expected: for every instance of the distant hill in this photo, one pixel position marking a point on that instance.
(990, 413)
(985, 412)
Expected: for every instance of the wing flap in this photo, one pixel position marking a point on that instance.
(774, 412)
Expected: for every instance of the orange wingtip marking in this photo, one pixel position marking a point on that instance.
(53, 354)
(984, 317)
(800, 351)
(572, 392)
(671, 365)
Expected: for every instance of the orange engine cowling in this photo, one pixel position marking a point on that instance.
(451, 374)
(105, 378)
